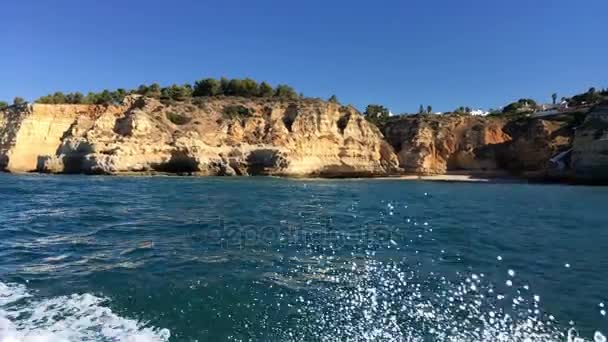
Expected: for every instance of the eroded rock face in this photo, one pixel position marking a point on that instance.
(590, 148)
(453, 143)
(297, 138)
(437, 144)
(533, 144)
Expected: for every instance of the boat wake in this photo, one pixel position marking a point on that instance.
(78, 317)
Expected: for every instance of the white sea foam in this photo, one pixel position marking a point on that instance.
(78, 317)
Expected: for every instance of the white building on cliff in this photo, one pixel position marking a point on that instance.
(479, 112)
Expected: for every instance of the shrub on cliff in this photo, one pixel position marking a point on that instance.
(3, 105)
(591, 97)
(250, 87)
(462, 110)
(241, 87)
(207, 87)
(285, 92)
(376, 114)
(176, 93)
(245, 88)
(236, 112)
(18, 101)
(61, 98)
(265, 90)
(178, 119)
(521, 106)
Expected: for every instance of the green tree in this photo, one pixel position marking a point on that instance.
(59, 98)
(249, 88)
(3, 105)
(44, 99)
(224, 85)
(333, 99)
(554, 98)
(153, 91)
(181, 93)
(74, 98)
(235, 87)
(265, 90)
(118, 95)
(90, 98)
(166, 93)
(521, 106)
(589, 98)
(376, 114)
(429, 109)
(18, 101)
(421, 109)
(141, 90)
(285, 91)
(207, 87)
(105, 97)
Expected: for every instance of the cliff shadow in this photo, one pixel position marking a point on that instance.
(290, 116)
(265, 161)
(180, 162)
(3, 162)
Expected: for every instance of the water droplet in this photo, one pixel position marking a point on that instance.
(567, 265)
(511, 273)
(509, 283)
(599, 337)
(499, 258)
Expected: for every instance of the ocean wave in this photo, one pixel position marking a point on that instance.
(77, 317)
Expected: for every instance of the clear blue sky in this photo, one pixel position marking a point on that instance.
(447, 53)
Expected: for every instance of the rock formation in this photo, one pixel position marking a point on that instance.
(430, 144)
(215, 136)
(590, 148)
(270, 136)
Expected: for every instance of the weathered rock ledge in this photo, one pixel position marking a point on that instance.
(273, 137)
(562, 148)
(238, 136)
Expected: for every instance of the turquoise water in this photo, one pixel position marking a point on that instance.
(86, 258)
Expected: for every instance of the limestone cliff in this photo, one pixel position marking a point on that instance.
(590, 148)
(239, 136)
(437, 144)
(215, 136)
(431, 144)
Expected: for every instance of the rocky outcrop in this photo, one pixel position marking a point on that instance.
(430, 144)
(238, 136)
(215, 136)
(532, 145)
(590, 148)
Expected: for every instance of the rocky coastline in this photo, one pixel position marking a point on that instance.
(235, 136)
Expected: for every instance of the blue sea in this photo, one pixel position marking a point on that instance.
(88, 258)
